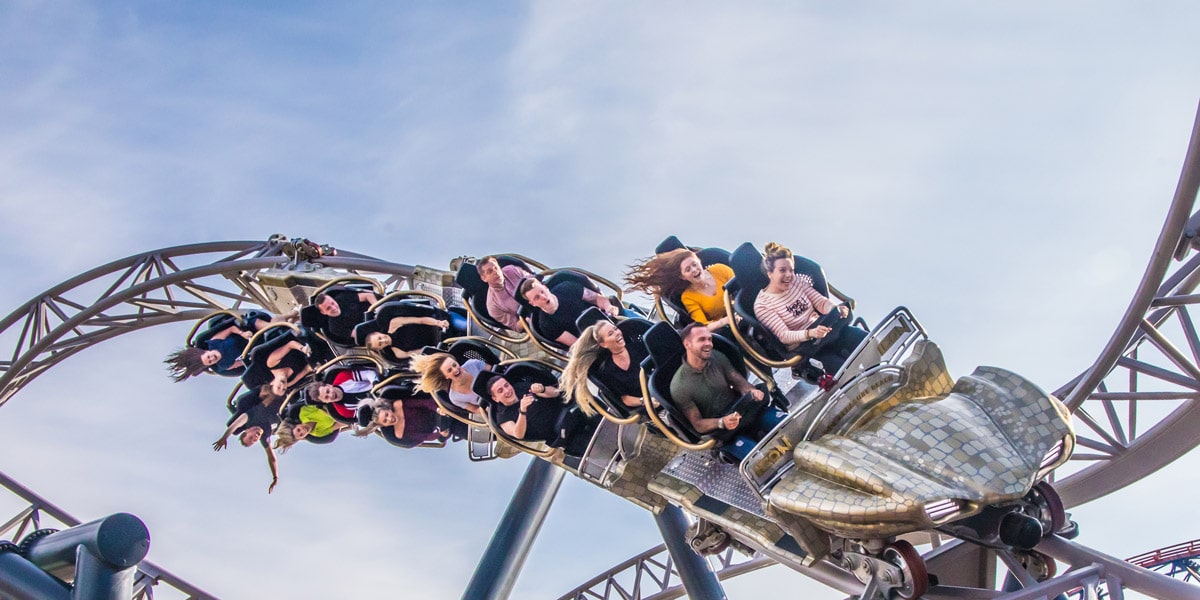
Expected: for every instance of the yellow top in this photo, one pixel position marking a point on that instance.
(324, 423)
(708, 308)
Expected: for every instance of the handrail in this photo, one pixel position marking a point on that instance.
(192, 334)
(258, 334)
(648, 403)
(755, 354)
(441, 302)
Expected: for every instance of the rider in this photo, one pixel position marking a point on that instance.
(716, 398)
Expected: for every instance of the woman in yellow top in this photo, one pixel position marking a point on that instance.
(678, 274)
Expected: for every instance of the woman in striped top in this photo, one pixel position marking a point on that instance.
(799, 315)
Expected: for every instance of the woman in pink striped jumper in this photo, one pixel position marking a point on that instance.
(799, 315)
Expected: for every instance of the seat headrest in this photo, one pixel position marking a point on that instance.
(669, 244)
(483, 384)
(590, 317)
(663, 342)
(311, 317)
(464, 350)
(746, 262)
(713, 256)
(364, 329)
(468, 279)
(363, 415)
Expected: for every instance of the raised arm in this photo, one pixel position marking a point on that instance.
(280, 352)
(273, 465)
(517, 428)
(600, 301)
(224, 439)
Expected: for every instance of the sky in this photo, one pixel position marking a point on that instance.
(1001, 168)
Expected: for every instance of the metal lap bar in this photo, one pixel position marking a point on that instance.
(748, 346)
(542, 345)
(648, 403)
(492, 331)
(402, 294)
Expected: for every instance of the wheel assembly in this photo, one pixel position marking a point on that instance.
(915, 578)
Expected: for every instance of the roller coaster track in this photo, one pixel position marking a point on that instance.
(40, 513)
(1150, 360)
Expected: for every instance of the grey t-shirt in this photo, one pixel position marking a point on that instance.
(461, 400)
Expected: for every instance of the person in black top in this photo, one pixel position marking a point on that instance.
(288, 365)
(343, 308)
(532, 416)
(561, 306)
(602, 356)
(401, 328)
(255, 415)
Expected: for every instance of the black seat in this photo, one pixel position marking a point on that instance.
(401, 390)
(666, 356)
(414, 336)
(533, 317)
(749, 279)
(634, 330)
(571, 423)
(220, 321)
(462, 350)
(212, 325)
(257, 373)
(312, 318)
(291, 414)
(343, 412)
(707, 256)
(475, 290)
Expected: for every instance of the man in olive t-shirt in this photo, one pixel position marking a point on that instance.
(706, 387)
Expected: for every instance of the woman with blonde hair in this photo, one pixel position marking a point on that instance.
(440, 372)
(800, 316)
(601, 350)
(679, 274)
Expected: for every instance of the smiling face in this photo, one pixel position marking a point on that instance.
(490, 273)
(329, 307)
(690, 269)
(502, 391)
(278, 384)
(378, 340)
(210, 357)
(302, 430)
(609, 337)
(385, 417)
(450, 369)
(699, 344)
(782, 273)
(251, 436)
(329, 393)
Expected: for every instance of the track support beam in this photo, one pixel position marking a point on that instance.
(497, 571)
(698, 577)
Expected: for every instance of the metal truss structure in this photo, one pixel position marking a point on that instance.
(1178, 561)
(40, 513)
(1136, 409)
(651, 575)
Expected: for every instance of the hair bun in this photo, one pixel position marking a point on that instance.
(775, 250)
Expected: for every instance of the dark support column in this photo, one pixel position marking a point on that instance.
(497, 571)
(101, 557)
(95, 580)
(698, 577)
(22, 580)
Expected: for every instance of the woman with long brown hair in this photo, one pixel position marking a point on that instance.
(679, 273)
